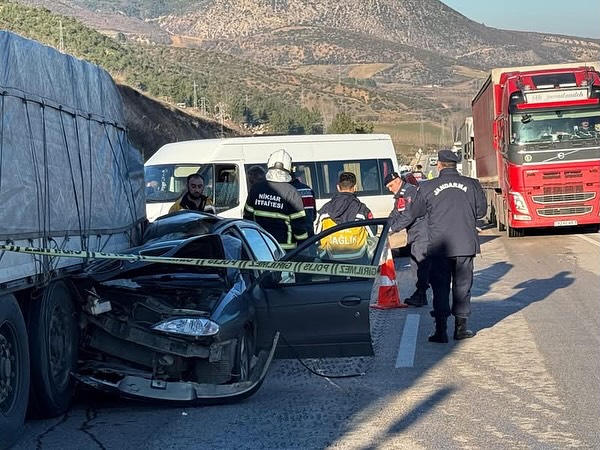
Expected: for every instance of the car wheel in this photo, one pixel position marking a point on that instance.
(14, 370)
(243, 358)
(53, 345)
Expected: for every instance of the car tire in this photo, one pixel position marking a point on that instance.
(53, 345)
(243, 357)
(14, 371)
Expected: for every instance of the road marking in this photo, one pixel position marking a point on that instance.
(590, 240)
(408, 342)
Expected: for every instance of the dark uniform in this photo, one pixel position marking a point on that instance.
(451, 204)
(416, 238)
(308, 200)
(278, 208)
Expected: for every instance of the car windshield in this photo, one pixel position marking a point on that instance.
(554, 126)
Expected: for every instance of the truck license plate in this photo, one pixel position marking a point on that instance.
(565, 223)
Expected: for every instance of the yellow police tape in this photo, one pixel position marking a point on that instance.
(319, 268)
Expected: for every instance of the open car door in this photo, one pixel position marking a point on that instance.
(322, 315)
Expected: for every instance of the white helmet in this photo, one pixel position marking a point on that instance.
(280, 160)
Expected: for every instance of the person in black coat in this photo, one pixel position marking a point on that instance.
(451, 205)
(405, 188)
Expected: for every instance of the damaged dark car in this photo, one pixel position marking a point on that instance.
(196, 334)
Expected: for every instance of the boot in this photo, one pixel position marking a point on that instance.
(460, 329)
(440, 334)
(418, 298)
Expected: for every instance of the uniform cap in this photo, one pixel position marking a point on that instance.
(390, 177)
(447, 156)
(280, 160)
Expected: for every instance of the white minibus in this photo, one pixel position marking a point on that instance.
(318, 160)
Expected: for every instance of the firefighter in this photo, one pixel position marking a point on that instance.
(276, 205)
(451, 205)
(404, 187)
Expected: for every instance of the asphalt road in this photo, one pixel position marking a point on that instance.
(528, 380)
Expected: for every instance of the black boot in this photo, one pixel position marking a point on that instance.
(418, 298)
(460, 329)
(440, 334)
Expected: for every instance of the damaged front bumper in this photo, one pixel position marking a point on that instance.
(187, 392)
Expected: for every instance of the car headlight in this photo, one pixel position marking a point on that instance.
(188, 326)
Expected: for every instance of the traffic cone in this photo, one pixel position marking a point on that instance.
(388, 296)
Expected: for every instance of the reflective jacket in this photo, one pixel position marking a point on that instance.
(278, 208)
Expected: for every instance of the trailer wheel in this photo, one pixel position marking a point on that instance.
(515, 232)
(14, 371)
(54, 345)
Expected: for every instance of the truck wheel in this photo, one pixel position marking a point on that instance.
(14, 370)
(54, 345)
(515, 232)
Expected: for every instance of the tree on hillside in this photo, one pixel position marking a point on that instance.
(344, 124)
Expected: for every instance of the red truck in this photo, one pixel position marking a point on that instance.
(536, 146)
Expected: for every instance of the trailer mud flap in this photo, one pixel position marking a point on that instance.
(185, 392)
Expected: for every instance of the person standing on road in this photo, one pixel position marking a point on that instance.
(418, 173)
(194, 197)
(451, 205)
(276, 205)
(308, 200)
(405, 188)
(344, 207)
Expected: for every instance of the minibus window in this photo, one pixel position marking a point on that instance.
(227, 187)
(368, 177)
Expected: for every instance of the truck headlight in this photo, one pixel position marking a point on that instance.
(519, 203)
(188, 326)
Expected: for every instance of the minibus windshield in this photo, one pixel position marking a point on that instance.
(166, 183)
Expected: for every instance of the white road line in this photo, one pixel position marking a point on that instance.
(590, 240)
(408, 342)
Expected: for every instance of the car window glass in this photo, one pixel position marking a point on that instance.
(226, 187)
(257, 244)
(275, 249)
(368, 178)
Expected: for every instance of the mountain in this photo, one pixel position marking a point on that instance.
(382, 60)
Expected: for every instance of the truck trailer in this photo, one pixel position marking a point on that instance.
(69, 180)
(536, 146)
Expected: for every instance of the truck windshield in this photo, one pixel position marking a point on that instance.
(554, 126)
(167, 183)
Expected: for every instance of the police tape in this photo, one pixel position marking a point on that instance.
(318, 268)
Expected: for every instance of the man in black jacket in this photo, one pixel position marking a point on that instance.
(344, 207)
(451, 205)
(405, 188)
(276, 205)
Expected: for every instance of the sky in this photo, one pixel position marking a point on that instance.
(572, 18)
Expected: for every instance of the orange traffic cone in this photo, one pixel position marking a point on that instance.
(388, 296)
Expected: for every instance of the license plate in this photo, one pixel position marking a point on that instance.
(565, 223)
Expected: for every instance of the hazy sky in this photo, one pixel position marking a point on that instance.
(573, 18)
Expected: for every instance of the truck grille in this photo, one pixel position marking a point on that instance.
(566, 174)
(563, 198)
(564, 211)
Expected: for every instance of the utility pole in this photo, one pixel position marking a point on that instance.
(61, 42)
(203, 106)
(195, 104)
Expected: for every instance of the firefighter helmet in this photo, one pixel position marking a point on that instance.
(280, 160)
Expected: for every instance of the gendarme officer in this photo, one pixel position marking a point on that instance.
(451, 204)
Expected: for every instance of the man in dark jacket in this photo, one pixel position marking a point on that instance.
(308, 200)
(405, 188)
(344, 207)
(276, 205)
(451, 205)
(194, 197)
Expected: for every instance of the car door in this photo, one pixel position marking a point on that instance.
(318, 314)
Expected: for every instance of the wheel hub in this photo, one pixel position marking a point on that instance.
(5, 368)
